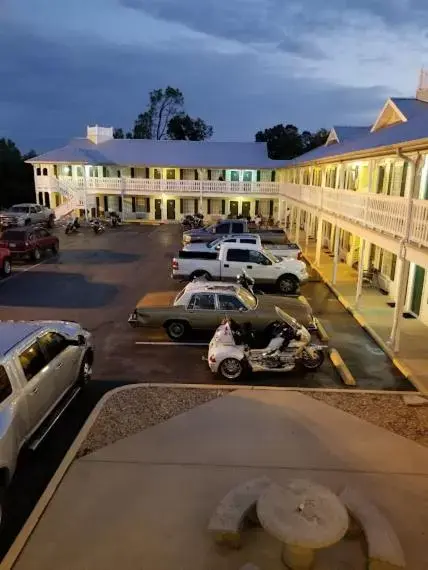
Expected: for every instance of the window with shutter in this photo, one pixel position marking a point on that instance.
(404, 179)
(380, 179)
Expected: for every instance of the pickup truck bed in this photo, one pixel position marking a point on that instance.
(268, 236)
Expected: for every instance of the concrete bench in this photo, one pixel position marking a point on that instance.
(384, 548)
(227, 521)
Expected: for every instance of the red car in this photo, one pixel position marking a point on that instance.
(29, 242)
(5, 262)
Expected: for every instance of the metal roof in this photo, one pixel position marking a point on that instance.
(348, 133)
(410, 107)
(13, 332)
(412, 130)
(145, 152)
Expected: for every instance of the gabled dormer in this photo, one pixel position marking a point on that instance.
(343, 134)
(389, 115)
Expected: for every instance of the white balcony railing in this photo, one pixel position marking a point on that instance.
(147, 186)
(387, 214)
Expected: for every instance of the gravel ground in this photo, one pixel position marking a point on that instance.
(389, 412)
(130, 411)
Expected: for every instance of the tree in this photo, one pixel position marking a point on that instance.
(165, 117)
(286, 142)
(182, 127)
(163, 105)
(16, 177)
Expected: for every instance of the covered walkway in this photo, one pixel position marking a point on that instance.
(378, 315)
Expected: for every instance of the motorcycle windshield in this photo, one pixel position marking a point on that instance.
(287, 318)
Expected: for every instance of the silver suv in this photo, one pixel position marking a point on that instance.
(42, 364)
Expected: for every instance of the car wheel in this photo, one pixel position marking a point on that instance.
(312, 362)
(287, 284)
(231, 369)
(6, 269)
(37, 254)
(55, 249)
(85, 373)
(176, 330)
(200, 275)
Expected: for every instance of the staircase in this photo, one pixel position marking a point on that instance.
(73, 199)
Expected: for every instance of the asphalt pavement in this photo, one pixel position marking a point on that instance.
(97, 280)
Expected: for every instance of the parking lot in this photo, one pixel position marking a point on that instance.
(96, 280)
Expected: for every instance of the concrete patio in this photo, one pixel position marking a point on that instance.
(373, 308)
(144, 502)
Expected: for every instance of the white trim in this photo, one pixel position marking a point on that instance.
(332, 137)
(389, 103)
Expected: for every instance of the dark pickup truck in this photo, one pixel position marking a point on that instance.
(268, 236)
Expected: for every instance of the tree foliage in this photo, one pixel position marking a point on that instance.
(286, 142)
(183, 128)
(165, 117)
(16, 177)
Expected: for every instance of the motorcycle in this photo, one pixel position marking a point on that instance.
(247, 283)
(192, 221)
(97, 226)
(73, 226)
(231, 355)
(115, 220)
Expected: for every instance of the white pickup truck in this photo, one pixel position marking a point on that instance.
(280, 250)
(286, 274)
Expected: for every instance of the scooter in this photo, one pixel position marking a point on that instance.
(230, 353)
(73, 226)
(97, 226)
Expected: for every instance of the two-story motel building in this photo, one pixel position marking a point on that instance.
(364, 195)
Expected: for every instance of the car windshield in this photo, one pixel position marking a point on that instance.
(10, 235)
(272, 258)
(247, 298)
(213, 243)
(19, 209)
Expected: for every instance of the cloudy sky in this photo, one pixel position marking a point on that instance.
(242, 65)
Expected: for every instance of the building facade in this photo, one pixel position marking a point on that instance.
(362, 196)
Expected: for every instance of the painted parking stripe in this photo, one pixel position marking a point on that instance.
(165, 343)
(16, 272)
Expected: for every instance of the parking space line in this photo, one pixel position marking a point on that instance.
(166, 343)
(341, 368)
(18, 273)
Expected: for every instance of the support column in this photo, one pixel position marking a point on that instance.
(336, 254)
(319, 241)
(402, 279)
(307, 229)
(297, 232)
(361, 255)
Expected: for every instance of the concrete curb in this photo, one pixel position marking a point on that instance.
(370, 331)
(21, 540)
(341, 367)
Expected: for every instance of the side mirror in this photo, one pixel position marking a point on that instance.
(79, 341)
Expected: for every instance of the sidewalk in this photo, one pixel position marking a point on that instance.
(412, 357)
(144, 502)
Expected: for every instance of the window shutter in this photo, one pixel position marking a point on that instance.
(404, 179)
(209, 174)
(147, 172)
(134, 204)
(196, 174)
(258, 176)
(223, 207)
(119, 174)
(380, 178)
(209, 206)
(273, 176)
(196, 204)
(270, 208)
(181, 205)
(257, 206)
(148, 205)
(132, 172)
(120, 204)
(105, 204)
(223, 173)
(181, 174)
(390, 178)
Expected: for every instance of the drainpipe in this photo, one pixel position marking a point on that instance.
(403, 274)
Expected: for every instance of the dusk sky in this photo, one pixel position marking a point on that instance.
(243, 65)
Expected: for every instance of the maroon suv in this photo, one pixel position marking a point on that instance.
(29, 242)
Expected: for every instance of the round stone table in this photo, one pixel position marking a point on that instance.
(304, 516)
